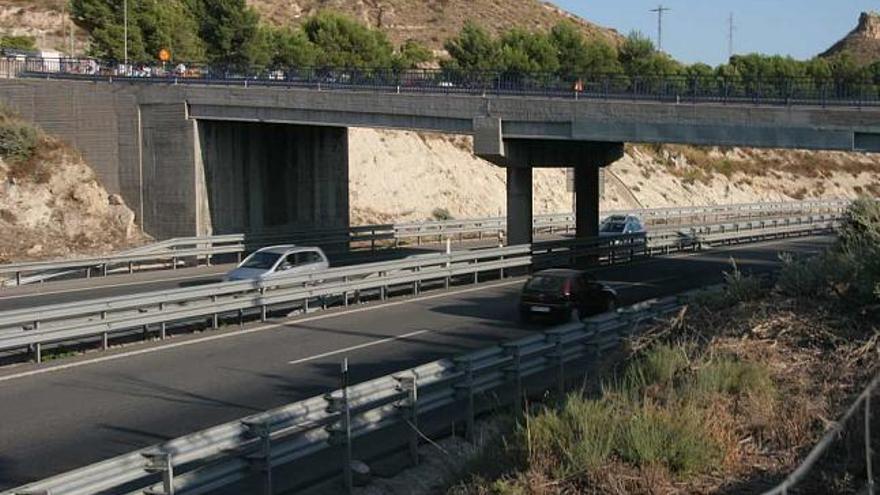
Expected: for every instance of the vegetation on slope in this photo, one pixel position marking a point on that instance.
(432, 22)
(51, 203)
(726, 398)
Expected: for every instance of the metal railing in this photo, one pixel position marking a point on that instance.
(454, 389)
(834, 432)
(32, 328)
(672, 88)
(170, 254)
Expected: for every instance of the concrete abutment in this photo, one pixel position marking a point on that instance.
(263, 178)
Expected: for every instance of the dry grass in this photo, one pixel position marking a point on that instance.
(715, 401)
(693, 164)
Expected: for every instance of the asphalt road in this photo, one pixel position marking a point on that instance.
(73, 412)
(81, 289)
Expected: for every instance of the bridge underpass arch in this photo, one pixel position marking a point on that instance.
(271, 178)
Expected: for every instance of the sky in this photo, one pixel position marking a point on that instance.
(697, 30)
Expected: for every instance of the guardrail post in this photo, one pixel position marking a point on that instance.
(409, 384)
(17, 278)
(262, 460)
(264, 310)
(346, 418)
(38, 353)
(559, 355)
(161, 463)
(162, 326)
(468, 385)
(515, 369)
(215, 318)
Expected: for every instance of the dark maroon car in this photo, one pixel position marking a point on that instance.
(556, 294)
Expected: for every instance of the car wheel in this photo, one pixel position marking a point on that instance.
(610, 304)
(525, 316)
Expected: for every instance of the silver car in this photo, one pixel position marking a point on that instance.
(274, 262)
(621, 225)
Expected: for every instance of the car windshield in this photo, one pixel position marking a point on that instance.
(261, 261)
(613, 227)
(543, 283)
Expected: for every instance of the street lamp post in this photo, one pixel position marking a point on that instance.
(125, 35)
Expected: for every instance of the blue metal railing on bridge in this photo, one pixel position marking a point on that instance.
(675, 88)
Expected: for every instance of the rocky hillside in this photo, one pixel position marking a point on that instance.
(388, 182)
(863, 42)
(432, 21)
(44, 20)
(51, 203)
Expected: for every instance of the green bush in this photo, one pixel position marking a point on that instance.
(675, 437)
(18, 140)
(441, 214)
(729, 375)
(849, 270)
(740, 287)
(658, 366)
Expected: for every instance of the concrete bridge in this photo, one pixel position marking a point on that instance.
(198, 159)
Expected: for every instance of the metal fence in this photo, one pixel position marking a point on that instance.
(250, 450)
(863, 450)
(673, 88)
(667, 223)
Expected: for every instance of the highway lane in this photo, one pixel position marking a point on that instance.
(96, 406)
(73, 290)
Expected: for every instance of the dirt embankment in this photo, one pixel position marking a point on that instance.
(406, 176)
(51, 203)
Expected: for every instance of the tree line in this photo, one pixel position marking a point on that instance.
(230, 33)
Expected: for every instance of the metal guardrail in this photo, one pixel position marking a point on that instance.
(672, 88)
(170, 253)
(32, 328)
(256, 445)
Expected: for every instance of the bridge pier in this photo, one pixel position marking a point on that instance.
(520, 156)
(586, 188)
(519, 205)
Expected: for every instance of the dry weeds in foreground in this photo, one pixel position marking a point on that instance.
(816, 354)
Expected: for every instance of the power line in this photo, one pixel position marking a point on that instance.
(660, 10)
(731, 29)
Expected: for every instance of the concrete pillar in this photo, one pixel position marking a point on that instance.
(519, 205)
(586, 187)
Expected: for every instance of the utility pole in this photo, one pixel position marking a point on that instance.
(660, 10)
(125, 42)
(731, 27)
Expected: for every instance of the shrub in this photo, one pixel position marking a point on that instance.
(674, 437)
(729, 375)
(579, 436)
(739, 287)
(441, 214)
(18, 140)
(658, 366)
(850, 269)
(811, 276)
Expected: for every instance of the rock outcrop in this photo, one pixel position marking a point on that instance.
(862, 43)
